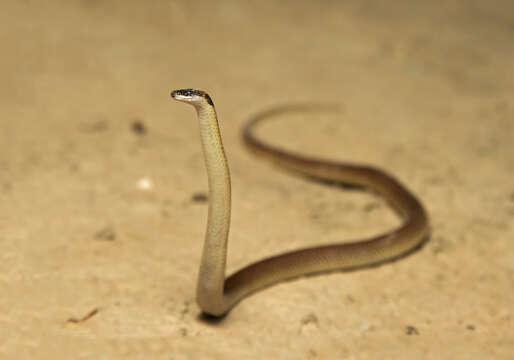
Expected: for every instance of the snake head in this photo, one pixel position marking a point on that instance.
(193, 96)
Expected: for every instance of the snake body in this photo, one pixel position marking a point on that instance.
(216, 295)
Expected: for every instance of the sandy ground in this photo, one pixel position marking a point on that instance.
(102, 176)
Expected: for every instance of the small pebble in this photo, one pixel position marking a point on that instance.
(145, 184)
(106, 234)
(411, 330)
(199, 197)
(139, 128)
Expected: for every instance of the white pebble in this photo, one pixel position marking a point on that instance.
(145, 184)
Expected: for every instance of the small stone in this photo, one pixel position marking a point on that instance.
(145, 184)
(138, 127)
(411, 330)
(106, 234)
(310, 319)
(199, 197)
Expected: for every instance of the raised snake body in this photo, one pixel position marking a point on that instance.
(217, 295)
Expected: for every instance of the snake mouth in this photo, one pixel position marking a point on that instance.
(191, 95)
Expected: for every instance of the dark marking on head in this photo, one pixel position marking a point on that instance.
(187, 92)
(193, 92)
(208, 99)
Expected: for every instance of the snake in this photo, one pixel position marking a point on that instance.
(217, 294)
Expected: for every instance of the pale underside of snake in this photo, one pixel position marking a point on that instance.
(216, 295)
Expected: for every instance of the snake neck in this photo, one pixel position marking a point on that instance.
(212, 271)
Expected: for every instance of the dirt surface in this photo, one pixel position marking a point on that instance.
(103, 186)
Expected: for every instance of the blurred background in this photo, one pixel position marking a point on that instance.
(102, 180)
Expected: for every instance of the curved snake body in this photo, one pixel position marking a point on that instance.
(217, 295)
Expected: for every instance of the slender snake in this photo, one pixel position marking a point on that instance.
(216, 295)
